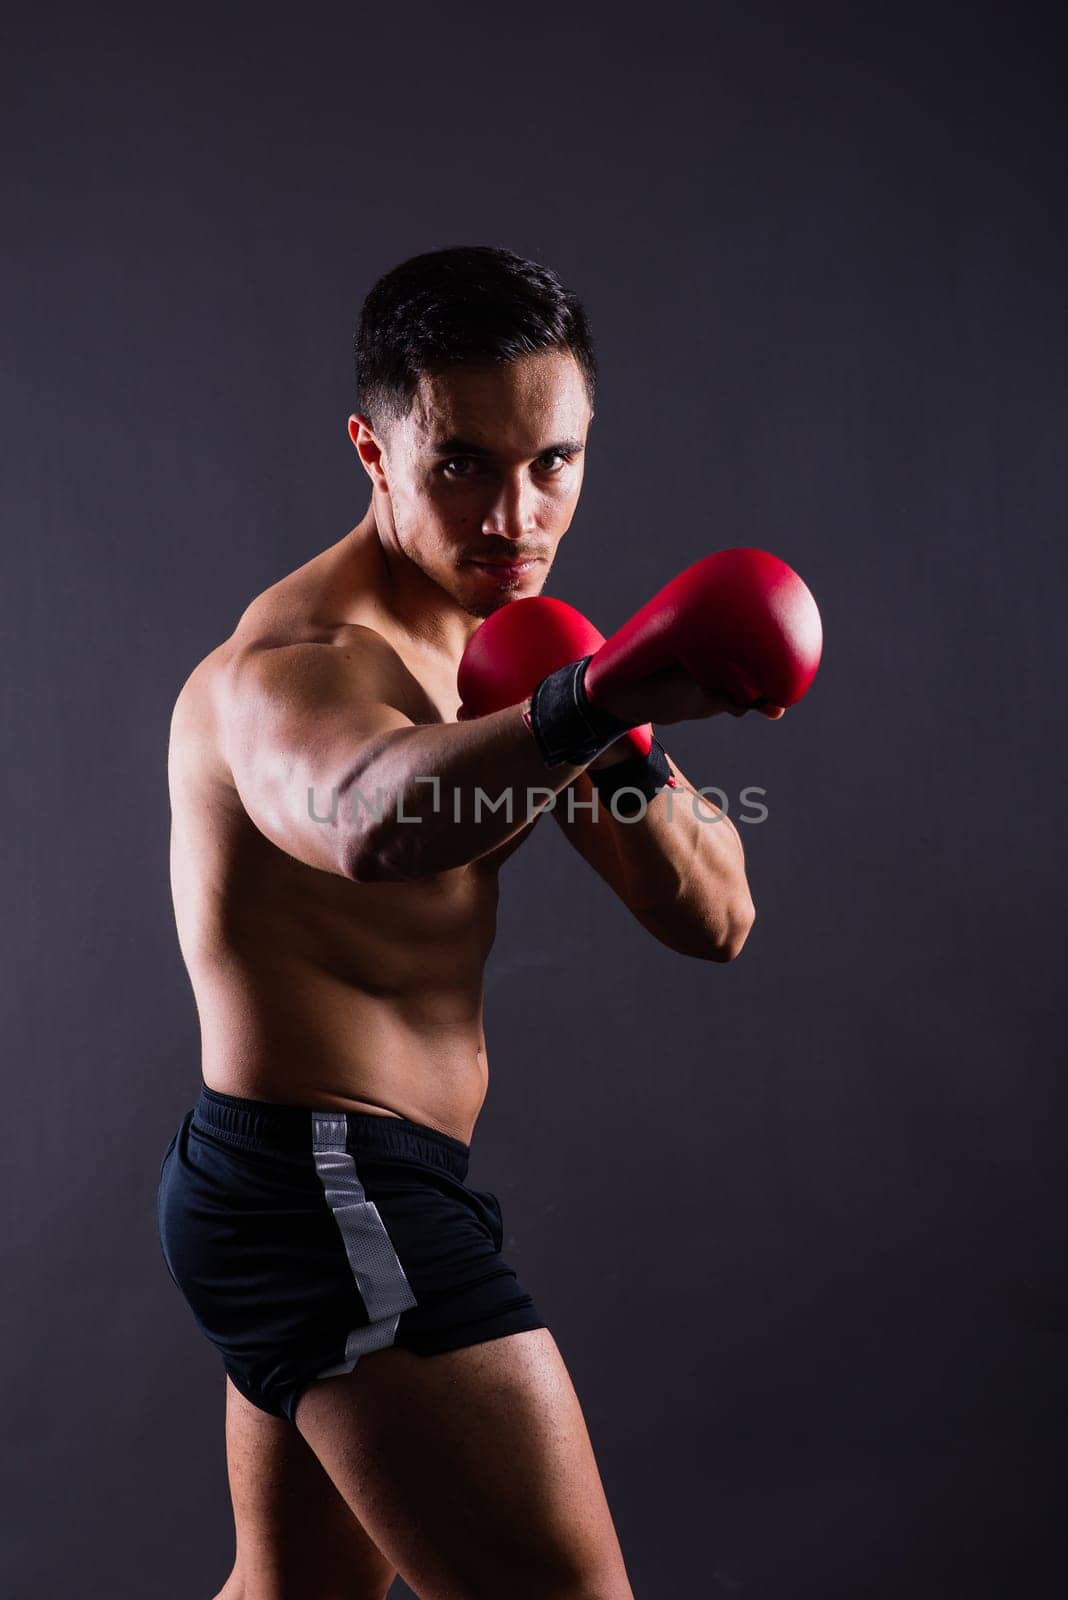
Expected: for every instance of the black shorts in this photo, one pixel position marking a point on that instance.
(302, 1239)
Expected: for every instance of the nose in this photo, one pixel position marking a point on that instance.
(512, 514)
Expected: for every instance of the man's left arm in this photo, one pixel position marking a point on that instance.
(680, 868)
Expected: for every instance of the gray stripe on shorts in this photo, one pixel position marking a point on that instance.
(384, 1289)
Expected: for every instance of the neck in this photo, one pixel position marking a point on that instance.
(415, 605)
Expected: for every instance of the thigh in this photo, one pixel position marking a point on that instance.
(472, 1470)
(296, 1536)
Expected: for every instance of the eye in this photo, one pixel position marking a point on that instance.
(552, 462)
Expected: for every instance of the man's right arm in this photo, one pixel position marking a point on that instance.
(309, 732)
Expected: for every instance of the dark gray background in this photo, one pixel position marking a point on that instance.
(797, 1223)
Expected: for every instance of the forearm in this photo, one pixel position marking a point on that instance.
(420, 798)
(681, 868)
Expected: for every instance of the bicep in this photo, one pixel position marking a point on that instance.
(297, 720)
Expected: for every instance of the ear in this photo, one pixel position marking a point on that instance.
(369, 450)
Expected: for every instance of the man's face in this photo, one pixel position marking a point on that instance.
(486, 469)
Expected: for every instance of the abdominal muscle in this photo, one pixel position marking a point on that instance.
(318, 992)
(295, 1036)
(313, 990)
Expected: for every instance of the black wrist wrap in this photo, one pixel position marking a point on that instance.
(647, 774)
(565, 726)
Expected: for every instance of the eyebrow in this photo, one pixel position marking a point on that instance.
(462, 447)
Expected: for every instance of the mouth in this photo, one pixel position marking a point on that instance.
(507, 571)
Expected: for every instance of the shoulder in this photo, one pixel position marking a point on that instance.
(289, 651)
(193, 746)
(350, 654)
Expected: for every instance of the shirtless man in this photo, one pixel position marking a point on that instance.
(394, 1402)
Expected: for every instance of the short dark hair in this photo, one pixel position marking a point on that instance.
(469, 304)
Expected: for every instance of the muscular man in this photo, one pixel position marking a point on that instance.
(394, 1402)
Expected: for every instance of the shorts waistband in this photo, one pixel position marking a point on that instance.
(266, 1125)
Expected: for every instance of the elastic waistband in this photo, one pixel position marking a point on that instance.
(264, 1125)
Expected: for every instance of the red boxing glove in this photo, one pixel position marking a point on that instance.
(515, 647)
(741, 623)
